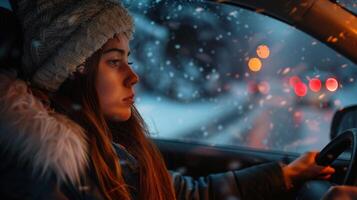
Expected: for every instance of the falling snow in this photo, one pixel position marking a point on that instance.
(193, 65)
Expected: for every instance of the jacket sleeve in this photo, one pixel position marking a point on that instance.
(258, 182)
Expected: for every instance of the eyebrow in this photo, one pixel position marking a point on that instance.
(121, 51)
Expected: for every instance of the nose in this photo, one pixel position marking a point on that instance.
(132, 78)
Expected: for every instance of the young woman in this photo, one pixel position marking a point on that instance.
(69, 128)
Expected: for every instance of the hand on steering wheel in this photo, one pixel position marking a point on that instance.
(305, 168)
(338, 145)
(312, 190)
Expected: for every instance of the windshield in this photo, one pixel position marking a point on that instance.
(350, 5)
(219, 74)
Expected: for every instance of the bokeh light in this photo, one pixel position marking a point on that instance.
(252, 87)
(255, 64)
(264, 87)
(293, 80)
(300, 89)
(315, 84)
(331, 84)
(298, 117)
(263, 51)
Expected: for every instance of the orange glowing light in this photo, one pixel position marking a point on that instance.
(300, 89)
(263, 51)
(315, 84)
(254, 64)
(331, 84)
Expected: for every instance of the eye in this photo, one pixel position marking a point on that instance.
(115, 63)
(130, 63)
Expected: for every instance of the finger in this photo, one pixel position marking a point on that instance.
(324, 177)
(321, 169)
(311, 154)
(327, 170)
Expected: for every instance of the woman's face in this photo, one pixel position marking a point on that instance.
(115, 80)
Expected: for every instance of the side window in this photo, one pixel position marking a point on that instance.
(219, 74)
(350, 5)
(5, 4)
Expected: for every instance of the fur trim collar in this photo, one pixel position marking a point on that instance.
(51, 142)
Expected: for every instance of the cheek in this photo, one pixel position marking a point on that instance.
(107, 91)
(109, 87)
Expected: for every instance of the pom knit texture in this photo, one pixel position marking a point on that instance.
(62, 34)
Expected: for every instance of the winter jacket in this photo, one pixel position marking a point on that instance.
(43, 154)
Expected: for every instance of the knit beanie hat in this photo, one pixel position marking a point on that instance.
(60, 34)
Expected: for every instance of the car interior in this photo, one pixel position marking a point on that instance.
(196, 159)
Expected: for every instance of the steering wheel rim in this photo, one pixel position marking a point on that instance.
(338, 145)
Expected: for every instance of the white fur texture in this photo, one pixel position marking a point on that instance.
(51, 142)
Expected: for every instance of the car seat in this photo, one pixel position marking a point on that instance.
(10, 40)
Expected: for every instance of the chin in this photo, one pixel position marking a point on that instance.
(120, 117)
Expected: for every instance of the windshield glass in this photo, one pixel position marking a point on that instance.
(350, 5)
(219, 74)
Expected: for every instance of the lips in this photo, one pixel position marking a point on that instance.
(129, 100)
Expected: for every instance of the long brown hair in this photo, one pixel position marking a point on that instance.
(78, 99)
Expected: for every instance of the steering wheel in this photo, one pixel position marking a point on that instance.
(338, 145)
(316, 189)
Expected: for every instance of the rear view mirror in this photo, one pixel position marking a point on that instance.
(342, 120)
